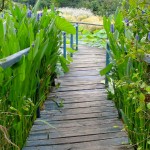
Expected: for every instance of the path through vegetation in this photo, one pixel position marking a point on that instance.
(88, 121)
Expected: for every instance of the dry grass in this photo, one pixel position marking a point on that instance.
(76, 12)
(93, 20)
(81, 15)
(5, 142)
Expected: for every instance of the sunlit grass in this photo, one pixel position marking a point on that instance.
(81, 15)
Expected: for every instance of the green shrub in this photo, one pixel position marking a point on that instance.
(25, 85)
(128, 72)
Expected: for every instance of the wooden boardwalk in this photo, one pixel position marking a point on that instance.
(88, 121)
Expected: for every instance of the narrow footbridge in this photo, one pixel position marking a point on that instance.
(88, 120)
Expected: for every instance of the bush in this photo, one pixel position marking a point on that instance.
(127, 73)
(25, 85)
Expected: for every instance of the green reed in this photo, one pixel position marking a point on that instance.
(25, 85)
(129, 41)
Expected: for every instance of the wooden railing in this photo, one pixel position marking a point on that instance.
(76, 24)
(12, 59)
(15, 58)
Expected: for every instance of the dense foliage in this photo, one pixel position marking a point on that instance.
(99, 7)
(97, 38)
(24, 86)
(129, 41)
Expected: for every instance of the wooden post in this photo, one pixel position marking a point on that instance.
(107, 61)
(77, 29)
(71, 43)
(64, 44)
(37, 98)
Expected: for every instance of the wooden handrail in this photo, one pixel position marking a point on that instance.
(147, 58)
(86, 23)
(12, 59)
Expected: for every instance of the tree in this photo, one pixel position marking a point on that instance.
(28, 2)
(68, 3)
(101, 7)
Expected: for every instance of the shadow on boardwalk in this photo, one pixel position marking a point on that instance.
(88, 121)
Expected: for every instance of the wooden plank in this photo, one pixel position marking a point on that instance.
(70, 123)
(83, 92)
(78, 147)
(112, 141)
(65, 82)
(74, 139)
(81, 84)
(83, 116)
(85, 66)
(70, 113)
(74, 125)
(49, 105)
(85, 110)
(78, 131)
(77, 99)
(77, 88)
(49, 120)
(82, 73)
(71, 140)
(82, 68)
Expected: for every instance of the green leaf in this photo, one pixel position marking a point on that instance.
(128, 34)
(64, 63)
(106, 69)
(31, 33)
(119, 21)
(116, 35)
(1, 75)
(64, 25)
(1, 32)
(148, 105)
(107, 24)
(138, 109)
(70, 50)
(12, 108)
(124, 117)
(69, 58)
(22, 69)
(36, 6)
(148, 142)
(141, 97)
(148, 88)
(25, 108)
(132, 3)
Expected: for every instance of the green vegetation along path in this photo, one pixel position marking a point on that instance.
(88, 121)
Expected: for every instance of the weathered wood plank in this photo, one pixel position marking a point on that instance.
(97, 137)
(78, 147)
(108, 142)
(78, 131)
(70, 123)
(52, 105)
(75, 125)
(86, 110)
(77, 88)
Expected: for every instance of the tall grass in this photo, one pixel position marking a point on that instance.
(24, 86)
(128, 71)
